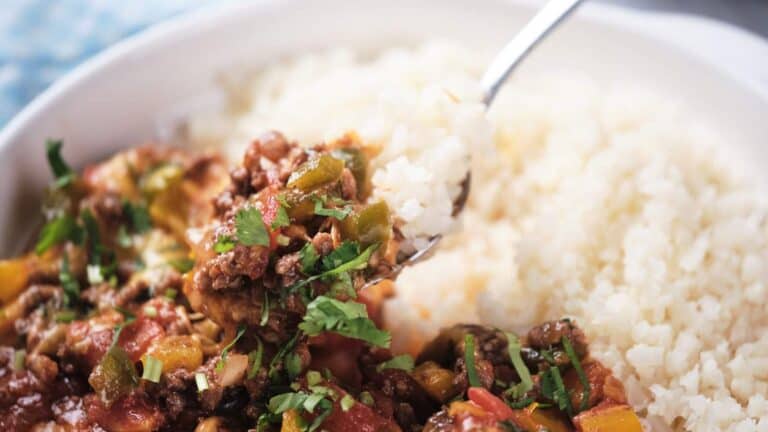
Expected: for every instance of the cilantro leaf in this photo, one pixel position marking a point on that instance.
(579, 372)
(335, 213)
(309, 257)
(251, 230)
(62, 173)
(139, 217)
(286, 401)
(358, 263)
(348, 319)
(58, 231)
(281, 218)
(182, 265)
(402, 362)
(346, 252)
(225, 351)
(69, 284)
(223, 244)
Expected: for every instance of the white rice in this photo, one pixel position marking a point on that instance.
(604, 204)
(423, 131)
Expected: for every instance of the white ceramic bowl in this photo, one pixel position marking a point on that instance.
(135, 90)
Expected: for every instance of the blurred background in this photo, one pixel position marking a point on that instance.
(42, 39)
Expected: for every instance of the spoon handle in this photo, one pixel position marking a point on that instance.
(534, 31)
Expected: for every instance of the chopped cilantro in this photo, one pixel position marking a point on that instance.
(153, 368)
(139, 217)
(335, 213)
(182, 265)
(347, 402)
(302, 401)
(251, 230)
(346, 252)
(65, 316)
(225, 351)
(367, 398)
(281, 218)
(287, 401)
(224, 244)
(292, 365)
(62, 173)
(313, 378)
(255, 359)
(469, 360)
(309, 257)
(69, 284)
(526, 383)
(358, 263)
(348, 319)
(170, 293)
(57, 231)
(402, 362)
(579, 371)
(552, 388)
(280, 355)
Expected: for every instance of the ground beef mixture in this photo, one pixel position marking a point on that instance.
(167, 294)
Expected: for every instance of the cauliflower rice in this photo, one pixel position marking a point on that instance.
(607, 205)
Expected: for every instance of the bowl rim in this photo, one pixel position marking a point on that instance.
(660, 27)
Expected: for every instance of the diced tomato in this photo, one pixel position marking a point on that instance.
(130, 414)
(490, 403)
(89, 340)
(339, 355)
(137, 337)
(358, 418)
(165, 312)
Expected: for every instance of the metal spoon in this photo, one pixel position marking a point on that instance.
(548, 17)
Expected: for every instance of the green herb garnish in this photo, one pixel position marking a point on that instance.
(402, 362)
(69, 284)
(469, 360)
(139, 217)
(281, 218)
(225, 351)
(251, 230)
(223, 244)
(347, 402)
(335, 213)
(254, 359)
(57, 231)
(579, 372)
(348, 319)
(309, 257)
(526, 382)
(153, 368)
(62, 173)
(182, 265)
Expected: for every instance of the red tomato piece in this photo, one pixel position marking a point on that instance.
(138, 336)
(490, 403)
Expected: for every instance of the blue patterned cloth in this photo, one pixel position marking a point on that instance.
(42, 39)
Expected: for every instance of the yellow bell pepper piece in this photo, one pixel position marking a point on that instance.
(292, 422)
(14, 275)
(608, 419)
(177, 352)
